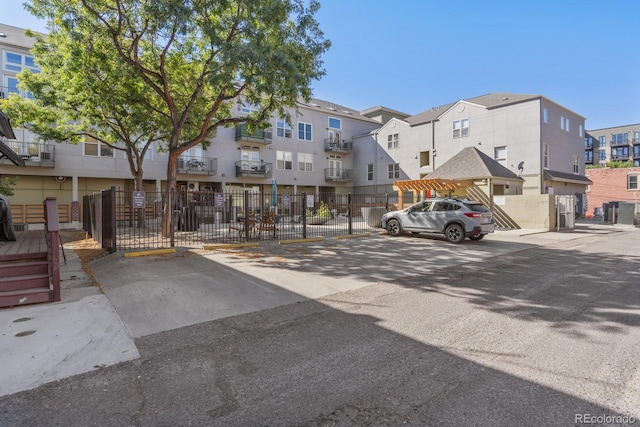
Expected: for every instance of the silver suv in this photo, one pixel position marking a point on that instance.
(455, 218)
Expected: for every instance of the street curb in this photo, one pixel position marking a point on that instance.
(150, 252)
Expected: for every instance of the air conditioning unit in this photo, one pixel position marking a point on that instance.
(193, 186)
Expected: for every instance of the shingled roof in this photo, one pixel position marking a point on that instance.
(469, 164)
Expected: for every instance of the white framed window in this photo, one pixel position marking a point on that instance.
(304, 131)
(335, 123)
(460, 128)
(283, 130)
(370, 172)
(500, 155)
(632, 182)
(247, 108)
(284, 160)
(394, 170)
(580, 130)
(545, 155)
(305, 162)
(94, 148)
(16, 62)
(545, 115)
(568, 125)
(576, 164)
(393, 141)
(562, 122)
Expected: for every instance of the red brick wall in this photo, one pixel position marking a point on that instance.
(610, 185)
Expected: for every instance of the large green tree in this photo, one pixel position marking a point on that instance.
(133, 71)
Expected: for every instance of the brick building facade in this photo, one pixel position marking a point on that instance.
(619, 184)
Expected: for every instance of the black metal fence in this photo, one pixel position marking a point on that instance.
(134, 220)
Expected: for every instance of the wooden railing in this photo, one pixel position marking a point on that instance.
(52, 234)
(34, 214)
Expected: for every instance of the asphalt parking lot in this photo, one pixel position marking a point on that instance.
(505, 310)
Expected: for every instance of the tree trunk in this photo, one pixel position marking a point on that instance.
(170, 192)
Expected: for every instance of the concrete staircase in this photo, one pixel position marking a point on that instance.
(24, 279)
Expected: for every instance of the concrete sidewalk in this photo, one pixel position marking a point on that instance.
(146, 295)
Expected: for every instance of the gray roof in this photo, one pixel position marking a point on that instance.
(15, 36)
(333, 108)
(492, 100)
(470, 163)
(566, 177)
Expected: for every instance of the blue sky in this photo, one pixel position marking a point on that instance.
(411, 55)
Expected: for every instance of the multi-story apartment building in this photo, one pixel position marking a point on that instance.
(314, 153)
(327, 149)
(536, 138)
(621, 143)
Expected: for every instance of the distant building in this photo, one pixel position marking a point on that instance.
(611, 185)
(620, 143)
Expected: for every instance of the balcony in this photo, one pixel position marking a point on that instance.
(254, 169)
(635, 141)
(621, 157)
(337, 146)
(338, 175)
(258, 136)
(197, 165)
(33, 154)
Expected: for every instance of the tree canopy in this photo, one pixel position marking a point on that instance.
(134, 71)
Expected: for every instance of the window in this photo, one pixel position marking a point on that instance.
(247, 108)
(335, 123)
(392, 141)
(562, 122)
(580, 130)
(394, 170)
(545, 115)
(147, 154)
(565, 124)
(461, 128)
(283, 130)
(545, 156)
(636, 151)
(602, 141)
(636, 136)
(304, 131)
(568, 125)
(17, 62)
(284, 160)
(93, 147)
(370, 172)
(619, 139)
(576, 164)
(305, 162)
(620, 153)
(425, 158)
(632, 182)
(500, 155)
(588, 156)
(602, 155)
(588, 143)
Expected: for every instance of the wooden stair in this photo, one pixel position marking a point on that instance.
(24, 279)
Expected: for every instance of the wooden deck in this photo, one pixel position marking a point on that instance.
(27, 242)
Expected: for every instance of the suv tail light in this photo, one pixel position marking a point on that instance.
(473, 214)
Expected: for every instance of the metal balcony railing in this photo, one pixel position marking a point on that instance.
(258, 136)
(33, 153)
(254, 169)
(338, 174)
(197, 165)
(332, 145)
(5, 91)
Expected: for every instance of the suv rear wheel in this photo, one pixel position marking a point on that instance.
(454, 233)
(478, 237)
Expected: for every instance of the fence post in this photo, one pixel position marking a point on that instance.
(304, 214)
(52, 233)
(349, 215)
(247, 231)
(386, 202)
